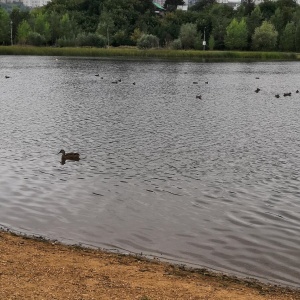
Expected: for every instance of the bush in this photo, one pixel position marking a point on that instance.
(64, 42)
(148, 41)
(35, 39)
(92, 40)
(176, 44)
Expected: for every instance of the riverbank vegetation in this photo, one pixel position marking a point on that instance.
(268, 26)
(149, 53)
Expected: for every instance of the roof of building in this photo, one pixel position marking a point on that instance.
(158, 5)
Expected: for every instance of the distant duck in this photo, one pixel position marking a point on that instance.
(206, 82)
(277, 96)
(256, 77)
(115, 82)
(297, 92)
(68, 156)
(133, 83)
(97, 75)
(198, 97)
(287, 94)
(195, 82)
(120, 80)
(257, 90)
(7, 76)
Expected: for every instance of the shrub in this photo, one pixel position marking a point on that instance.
(35, 39)
(176, 44)
(92, 40)
(148, 41)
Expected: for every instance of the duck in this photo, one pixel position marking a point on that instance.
(68, 156)
(257, 90)
(198, 97)
(7, 76)
(277, 96)
(287, 94)
(297, 91)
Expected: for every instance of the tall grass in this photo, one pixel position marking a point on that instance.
(152, 53)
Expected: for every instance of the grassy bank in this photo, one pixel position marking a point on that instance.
(152, 53)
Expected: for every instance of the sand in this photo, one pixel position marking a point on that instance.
(31, 268)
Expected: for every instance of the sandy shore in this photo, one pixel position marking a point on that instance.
(37, 269)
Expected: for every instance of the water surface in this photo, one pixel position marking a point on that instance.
(210, 183)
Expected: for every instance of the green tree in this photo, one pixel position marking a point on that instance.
(42, 26)
(23, 32)
(67, 27)
(4, 27)
(236, 35)
(211, 43)
(267, 8)
(17, 16)
(220, 17)
(288, 38)
(148, 41)
(297, 37)
(106, 26)
(171, 5)
(188, 35)
(253, 21)
(265, 37)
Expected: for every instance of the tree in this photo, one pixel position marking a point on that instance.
(106, 25)
(248, 6)
(203, 4)
(42, 26)
(265, 37)
(171, 5)
(267, 8)
(188, 35)
(4, 27)
(236, 35)
(288, 37)
(148, 41)
(23, 32)
(253, 21)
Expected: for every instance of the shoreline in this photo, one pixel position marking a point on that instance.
(165, 54)
(36, 268)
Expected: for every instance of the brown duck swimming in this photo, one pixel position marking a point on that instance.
(68, 156)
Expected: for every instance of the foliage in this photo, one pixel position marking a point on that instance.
(90, 23)
(176, 44)
(4, 27)
(171, 5)
(35, 39)
(24, 30)
(288, 38)
(211, 43)
(236, 35)
(265, 37)
(91, 40)
(148, 41)
(188, 35)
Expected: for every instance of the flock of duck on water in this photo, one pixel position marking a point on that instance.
(73, 156)
(277, 95)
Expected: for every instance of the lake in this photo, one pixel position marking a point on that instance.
(211, 182)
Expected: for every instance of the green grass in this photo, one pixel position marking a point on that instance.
(152, 53)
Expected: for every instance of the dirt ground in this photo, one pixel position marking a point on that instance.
(37, 269)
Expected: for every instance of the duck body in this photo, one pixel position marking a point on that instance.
(68, 156)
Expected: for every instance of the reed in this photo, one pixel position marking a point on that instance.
(152, 53)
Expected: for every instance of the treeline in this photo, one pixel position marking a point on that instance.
(271, 25)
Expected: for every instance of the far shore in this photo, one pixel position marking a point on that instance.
(35, 268)
(133, 52)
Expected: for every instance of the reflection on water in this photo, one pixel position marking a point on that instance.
(210, 182)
